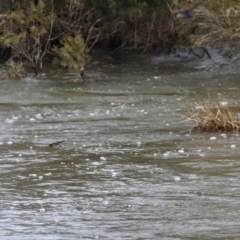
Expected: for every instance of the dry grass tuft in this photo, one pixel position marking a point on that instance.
(215, 117)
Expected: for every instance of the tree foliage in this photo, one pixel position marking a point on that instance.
(15, 69)
(73, 54)
(28, 33)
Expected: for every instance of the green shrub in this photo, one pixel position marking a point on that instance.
(73, 54)
(27, 32)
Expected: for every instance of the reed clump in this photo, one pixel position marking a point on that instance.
(215, 117)
(218, 25)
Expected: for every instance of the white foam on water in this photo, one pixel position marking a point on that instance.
(9, 120)
(139, 143)
(38, 116)
(213, 138)
(96, 163)
(42, 209)
(166, 154)
(48, 174)
(32, 175)
(177, 178)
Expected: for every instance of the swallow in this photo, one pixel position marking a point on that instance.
(55, 144)
(188, 13)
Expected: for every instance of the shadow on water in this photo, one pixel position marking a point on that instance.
(129, 167)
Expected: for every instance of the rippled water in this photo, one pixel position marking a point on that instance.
(129, 167)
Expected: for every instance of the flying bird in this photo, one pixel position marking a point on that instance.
(55, 144)
(188, 13)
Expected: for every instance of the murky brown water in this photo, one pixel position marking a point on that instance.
(129, 168)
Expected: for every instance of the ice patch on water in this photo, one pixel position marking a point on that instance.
(9, 142)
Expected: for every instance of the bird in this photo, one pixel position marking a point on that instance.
(188, 12)
(55, 144)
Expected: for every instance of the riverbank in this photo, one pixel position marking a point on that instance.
(30, 31)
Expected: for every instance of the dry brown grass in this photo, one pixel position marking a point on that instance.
(219, 26)
(215, 117)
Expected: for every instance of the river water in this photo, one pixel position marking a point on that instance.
(129, 167)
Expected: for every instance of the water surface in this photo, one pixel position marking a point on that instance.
(129, 168)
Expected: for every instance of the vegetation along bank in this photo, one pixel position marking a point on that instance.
(30, 30)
